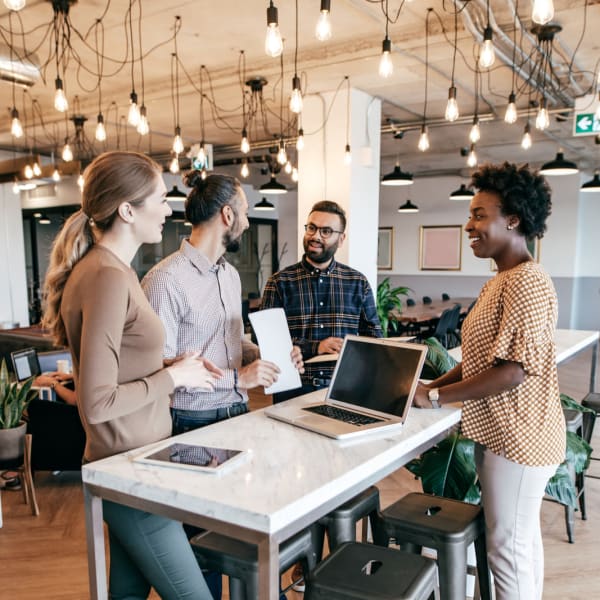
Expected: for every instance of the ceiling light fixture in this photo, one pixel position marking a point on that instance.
(408, 207)
(16, 129)
(423, 144)
(559, 166)
(472, 158)
(475, 133)
(295, 175)
(296, 97)
(133, 115)
(273, 186)
(323, 29)
(397, 177)
(487, 55)
(543, 11)
(175, 194)
(245, 144)
(174, 165)
(386, 66)
(44, 219)
(510, 116)
(462, 193)
(347, 150)
(100, 129)
(60, 100)
(593, 185)
(273, 41)
(526, 140)
(245, 170)
(452, 111)
(300, 140)
(542, 119)
(67, 153)
(14, 4)
(264, 204)
(177, 141)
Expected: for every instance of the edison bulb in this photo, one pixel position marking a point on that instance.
(37, 171)
(543, 11)
(67, 153)
(300, 140)
(15, 188)
(295, 174)
(245, 170)
(451, 110)
(526, 141)
(60, 100)
(281, 155)
(423, 144)
(347, 155)
(133, 116)
(475, 133)
(80, 182)
(296, 101)
(323, 28)
(55, 175)
(245, 144)
(288, 167)
(386, 66)
(16, 128)
(510, 116)
(542, 119)
(100, 129)
(487, 56)
(201, 154)
(142, 127)
(28, 172)
(174, 165)
(177, 142)
(273, 41)
(472, 158)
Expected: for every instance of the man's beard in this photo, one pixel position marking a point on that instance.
(232, 244)
(325, 255)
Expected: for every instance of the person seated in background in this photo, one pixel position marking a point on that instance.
(61, 383)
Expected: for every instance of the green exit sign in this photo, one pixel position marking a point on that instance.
(585, 124)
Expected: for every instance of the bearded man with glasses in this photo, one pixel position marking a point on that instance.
(324, 300)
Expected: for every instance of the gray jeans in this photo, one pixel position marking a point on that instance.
(146, 551)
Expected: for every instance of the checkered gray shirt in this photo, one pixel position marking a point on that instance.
(200, 306)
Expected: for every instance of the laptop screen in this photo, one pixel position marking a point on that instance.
(25, 363)
(376, 375)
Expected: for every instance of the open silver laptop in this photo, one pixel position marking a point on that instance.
(370, 392)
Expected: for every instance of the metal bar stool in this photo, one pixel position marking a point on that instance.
(448, 526)
(574, 424)
(357, 571)
(340, 523)
(239, 560)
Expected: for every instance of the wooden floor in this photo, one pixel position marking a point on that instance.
(44, 558)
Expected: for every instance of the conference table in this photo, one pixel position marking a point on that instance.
(291, 477)
(422, 313)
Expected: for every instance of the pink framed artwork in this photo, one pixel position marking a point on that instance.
(440, 248)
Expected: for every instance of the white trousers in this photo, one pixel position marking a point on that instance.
(511, 496)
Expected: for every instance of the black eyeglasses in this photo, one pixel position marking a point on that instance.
(325, 232)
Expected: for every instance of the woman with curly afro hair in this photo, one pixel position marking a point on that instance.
(508, 378)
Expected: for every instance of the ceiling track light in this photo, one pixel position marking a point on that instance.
(397, 177)
(408, 207)
(559, 166)
(323, 28)
(273, 41)
(593, 185)
(462, 193)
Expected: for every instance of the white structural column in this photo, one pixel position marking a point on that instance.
(323, 174)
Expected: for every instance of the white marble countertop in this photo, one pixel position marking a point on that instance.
(290, 472)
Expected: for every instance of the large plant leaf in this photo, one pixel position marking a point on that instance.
(561, 488)
(14, 399)
(448, 469)
(437, 361)
(578, 452)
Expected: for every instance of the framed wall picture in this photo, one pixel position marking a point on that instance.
(385, 248)
(440, 248)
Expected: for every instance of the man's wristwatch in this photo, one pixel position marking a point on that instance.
(434, 397)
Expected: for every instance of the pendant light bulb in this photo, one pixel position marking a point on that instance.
(67, 153)
(423, 144)
(245, 144)
(15, 188)
(323, 29)
(177, 141)
(28, 172)
(203, 173)
(16, 129)
(37, 171)
(472, 158)
(133, 116)
(510, 116)
(452, 106)
(295, 175)
(296, 97)
(347, 155)
(487, 55)
(300, 140)
(14, 4)
(386, 66)
(201, 154)
(543, 11)
(80, 182)
(245, 170)
(475, 133)
(142, 127)
(542, 119)
(100, 129)
(174, 165)
(60, 100)
(288, 167)
(526, 141)
(56, 174)
(273, 41)
(281, 154)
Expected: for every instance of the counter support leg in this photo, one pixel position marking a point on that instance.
(268, 569)
(594, 363)
(95, 545)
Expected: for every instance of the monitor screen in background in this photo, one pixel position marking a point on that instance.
(26, 364)
(376, 376)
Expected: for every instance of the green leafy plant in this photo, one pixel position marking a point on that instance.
(387, 299)
(437, 360)
(14, 399)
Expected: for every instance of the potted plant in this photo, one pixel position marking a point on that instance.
(387, 299)
(14, 399)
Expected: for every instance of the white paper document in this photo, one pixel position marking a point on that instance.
(275, 343)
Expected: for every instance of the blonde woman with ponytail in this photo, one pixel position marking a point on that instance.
(95, 306)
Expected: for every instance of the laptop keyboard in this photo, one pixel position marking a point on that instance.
(340, 414)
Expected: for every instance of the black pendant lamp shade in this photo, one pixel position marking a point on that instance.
(593, 185)
(397, 177)
(559, 166)
(273, 187)
(408, 207)
(463, 193)
(175, 194)
(264, 204)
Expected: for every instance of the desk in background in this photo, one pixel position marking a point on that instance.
(422, 313)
